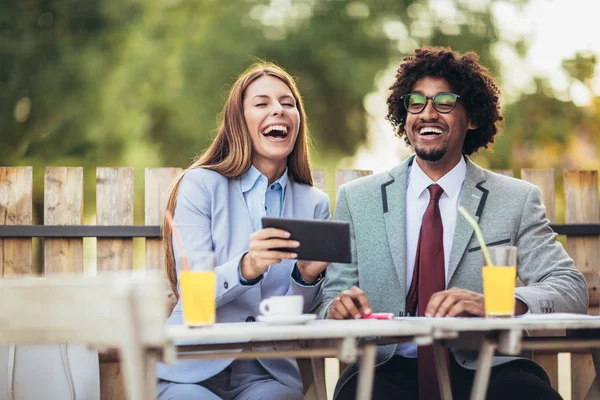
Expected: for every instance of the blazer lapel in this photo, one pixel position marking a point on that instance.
(393, 193)
(473, 199)
(244, 221)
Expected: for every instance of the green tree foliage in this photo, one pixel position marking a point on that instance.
(141, 83)
(545, 129)
(51, 52)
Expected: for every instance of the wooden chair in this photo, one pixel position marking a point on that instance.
(119, 310)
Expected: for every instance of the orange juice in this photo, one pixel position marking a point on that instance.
(499, 291)
(198, 297)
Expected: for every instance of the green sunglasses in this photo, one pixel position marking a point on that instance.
(442, 102)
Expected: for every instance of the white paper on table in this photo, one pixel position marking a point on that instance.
(556, 316)
(528, 316)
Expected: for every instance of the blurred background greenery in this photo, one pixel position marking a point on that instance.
(140, 83)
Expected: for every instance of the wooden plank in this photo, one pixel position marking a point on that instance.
(332, 374)
(111, 381)
(15, 209)
(318, 367)
(158, 183)
(150, 361)
(319, 179)
(582, 375)
(63, 205)
(550, 364)
(114, 206)
(582, 206)
(306, 374)
(544, 179)
(593, 283)
(347, 175)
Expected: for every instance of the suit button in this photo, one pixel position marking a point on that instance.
(250, 319)
(225, 285)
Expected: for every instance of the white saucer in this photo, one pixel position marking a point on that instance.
(286, 319)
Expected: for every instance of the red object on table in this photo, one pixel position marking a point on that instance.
(383, 315)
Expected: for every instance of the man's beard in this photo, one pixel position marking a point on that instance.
(430, 154)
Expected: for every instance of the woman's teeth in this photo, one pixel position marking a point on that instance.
(280, 128)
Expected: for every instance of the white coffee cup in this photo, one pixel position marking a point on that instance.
(282, 306)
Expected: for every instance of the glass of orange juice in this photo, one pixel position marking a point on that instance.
(198, 289)
(499, 282)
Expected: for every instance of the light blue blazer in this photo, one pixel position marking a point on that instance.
(211, 214)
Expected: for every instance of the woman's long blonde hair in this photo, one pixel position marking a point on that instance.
(230, 153)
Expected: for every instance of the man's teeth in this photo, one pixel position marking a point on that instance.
(430, 130)
(275, 127)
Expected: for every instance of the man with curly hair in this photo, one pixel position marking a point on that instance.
(413, 255)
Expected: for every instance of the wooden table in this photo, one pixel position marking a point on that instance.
(509, 337)
(315, 339)
(349, 339)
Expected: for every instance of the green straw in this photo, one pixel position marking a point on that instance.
(478, 233)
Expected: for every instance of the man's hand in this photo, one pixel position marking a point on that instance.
(349, 304)
(520, 307)
(462, 303)
(456, 303)
(257, 260)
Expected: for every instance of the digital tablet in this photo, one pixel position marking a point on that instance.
(320, 240)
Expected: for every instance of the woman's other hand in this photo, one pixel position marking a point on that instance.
(310, 270)
(257, 260)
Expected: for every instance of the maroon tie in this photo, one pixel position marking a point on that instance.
(429, 277)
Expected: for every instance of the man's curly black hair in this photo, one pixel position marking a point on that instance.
(467, 78)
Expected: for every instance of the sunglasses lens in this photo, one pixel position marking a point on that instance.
(414, 103)
(444, 102)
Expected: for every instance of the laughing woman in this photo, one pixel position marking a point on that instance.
(257, 166)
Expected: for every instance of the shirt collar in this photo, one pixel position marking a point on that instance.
(283, 180)
(451, 182)
(253, 175)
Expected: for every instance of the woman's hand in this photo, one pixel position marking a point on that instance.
(310, 270)
(257, 260)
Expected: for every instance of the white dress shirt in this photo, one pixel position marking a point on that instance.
(417, 199)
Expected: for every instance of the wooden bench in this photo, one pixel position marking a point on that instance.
(62, 249)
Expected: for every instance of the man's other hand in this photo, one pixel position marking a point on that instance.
(350, 304)
(456, 303)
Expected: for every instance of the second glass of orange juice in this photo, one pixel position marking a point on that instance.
(198, 289)
(499, 282)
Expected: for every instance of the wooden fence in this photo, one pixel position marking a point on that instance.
(63, 232)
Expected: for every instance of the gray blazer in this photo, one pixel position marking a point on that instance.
(211, 215)
(509, 211)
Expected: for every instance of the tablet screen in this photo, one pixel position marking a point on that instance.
(320, 240)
